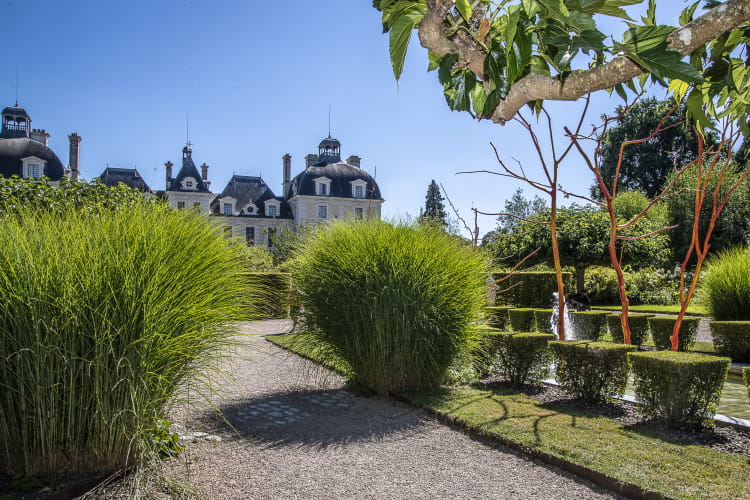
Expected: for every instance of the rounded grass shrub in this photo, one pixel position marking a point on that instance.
(725, 285)
(394, 301)
(103, 316)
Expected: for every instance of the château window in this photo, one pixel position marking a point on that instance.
(250, 236)
(322, 212)
(359, 213)
(322, 189)
(189, 184)
(359, 191)
(180, 205)
(32, 171)
(271, 236)
(272, 211)
(228, 209)
(197, 205)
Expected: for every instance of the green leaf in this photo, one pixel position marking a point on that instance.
(402, 21)
(434, 61)
(663, 63)
(511, 26)
(643, 38)
(557, 8)
(581, 21)
(493, 99)
(538, 66)
(458, 93)
(464, 8)
(620, 89)
(687, 13)
(478, 99)
(519, 57)
(495, 63)
(695, 110)
(445, 70)
(650, 19)
(612, 8)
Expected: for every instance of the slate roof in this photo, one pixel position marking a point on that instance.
(15, 110)
(250, 189)
(13, 150)
(129, 176)
(188, 170)
(341, 175)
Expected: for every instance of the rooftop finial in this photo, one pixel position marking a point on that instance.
(187, 129)
(329, 120)
(17, 72)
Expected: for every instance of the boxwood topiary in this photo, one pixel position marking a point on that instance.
(521, 320)
(497, 316)
(591, 370)
(588, 325)
(638, 328)
(681, 388)
(523, 356)
(732, 339)
(661, 331)
(543, 320)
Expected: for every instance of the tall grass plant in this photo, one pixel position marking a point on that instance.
(394, 301)
(726, 285)
(102, 317)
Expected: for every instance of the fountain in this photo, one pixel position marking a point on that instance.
(569, 333)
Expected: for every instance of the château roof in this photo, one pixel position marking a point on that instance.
(113, 176)
(13, 150)
(246, 189)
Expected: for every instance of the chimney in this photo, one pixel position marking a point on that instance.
(169, 166)
(204, 171)
(287, 174)
(75, 143)
(39, 135)
(354, 161)
(310, 159)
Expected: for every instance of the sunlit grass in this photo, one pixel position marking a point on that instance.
(725, 285)
(101, 318)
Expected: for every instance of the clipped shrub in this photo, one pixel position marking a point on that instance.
(661, 331)
(681, 388)
(543, 320)
(651, 286)
(277, 294)
(638, 328)
(522, 319)
(732, 339)
(394, 301)
(591, 370)
(726, 285)
(497, 316)
(522, 357)
(588, 325)
(102, 319)
(534, 290)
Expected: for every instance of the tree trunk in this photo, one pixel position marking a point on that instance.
(580, 279)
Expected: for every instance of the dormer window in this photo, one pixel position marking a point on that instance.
(272, 208)
(33, 167)
(359, 188)
(227, 209)
(251, 209)
(189, 184)
(322, 186)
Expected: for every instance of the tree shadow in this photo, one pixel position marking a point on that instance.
(313, 418)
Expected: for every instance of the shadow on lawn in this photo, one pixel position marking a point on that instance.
(316, 418)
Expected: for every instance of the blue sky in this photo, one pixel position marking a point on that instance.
(256, 80)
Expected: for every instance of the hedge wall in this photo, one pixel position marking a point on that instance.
(732, 339)
(534, 289)
(661, 330)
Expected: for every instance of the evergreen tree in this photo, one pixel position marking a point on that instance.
(434, 210)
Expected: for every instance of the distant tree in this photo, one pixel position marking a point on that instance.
(646, 166)
(434, 209)
(731, 228)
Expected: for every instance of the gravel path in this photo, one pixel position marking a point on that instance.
(295, 433)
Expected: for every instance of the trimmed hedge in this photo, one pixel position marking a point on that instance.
(497, 316)
(638, 328)
(523, 357)
(732, 339)
(274, 304)
(681, 388)
(661, 331)
(543, 320)
(588, 325)
(746, 376)
(591, 370)
(521, 320)
(534, 289)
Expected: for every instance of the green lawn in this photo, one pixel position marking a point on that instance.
(642, 455)
(694, 310)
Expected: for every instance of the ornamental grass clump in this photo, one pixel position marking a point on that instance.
(592, 371)
(102, 317)
(638, 324)
(725, 285)
(394, 301)
(683, 389)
